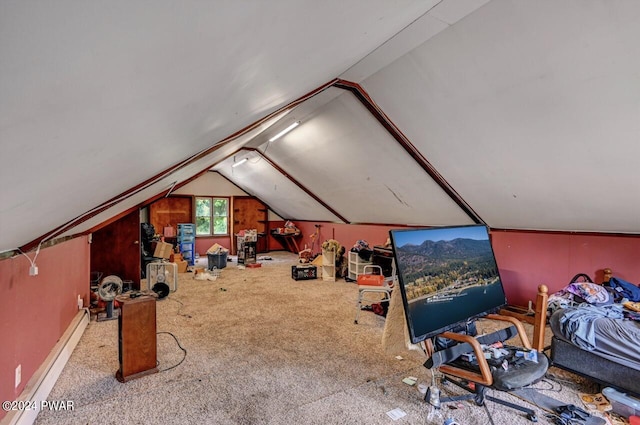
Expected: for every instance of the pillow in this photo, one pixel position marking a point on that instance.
(589, 293)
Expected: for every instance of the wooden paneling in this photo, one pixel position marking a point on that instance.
(137, 345)
(171, 211)
(115, 249)
(250, 213)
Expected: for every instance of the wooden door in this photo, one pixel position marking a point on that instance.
(250, 213)
(115, 249)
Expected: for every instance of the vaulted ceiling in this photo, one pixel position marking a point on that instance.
(518, 114)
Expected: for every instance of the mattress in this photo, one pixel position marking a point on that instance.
(609, 353)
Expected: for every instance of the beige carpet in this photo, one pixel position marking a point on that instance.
(261, 349)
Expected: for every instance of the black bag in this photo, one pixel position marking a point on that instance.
(583, 276)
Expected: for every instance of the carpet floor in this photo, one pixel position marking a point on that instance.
(262, 348)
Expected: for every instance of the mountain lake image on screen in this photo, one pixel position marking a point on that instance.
(447, 275)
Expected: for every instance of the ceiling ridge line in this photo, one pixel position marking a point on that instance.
(297, 183)
(364, 97)
(427, 12)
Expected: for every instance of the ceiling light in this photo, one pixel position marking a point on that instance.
(285, 131)
(242, 161)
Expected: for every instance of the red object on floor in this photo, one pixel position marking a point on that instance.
(254, 265)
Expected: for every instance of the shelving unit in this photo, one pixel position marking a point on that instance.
(329, 266)
(246, 251)
(356, 265)
(186, 241)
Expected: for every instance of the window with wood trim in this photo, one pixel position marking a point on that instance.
(212, 216)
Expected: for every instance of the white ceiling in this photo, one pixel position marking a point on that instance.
(529, 110)
(346, 158)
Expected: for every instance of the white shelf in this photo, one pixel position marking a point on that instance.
(328, 266)
(356, 265)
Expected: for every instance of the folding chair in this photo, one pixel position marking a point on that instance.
(375, 284)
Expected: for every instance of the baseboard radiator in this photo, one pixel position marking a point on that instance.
(43, 380)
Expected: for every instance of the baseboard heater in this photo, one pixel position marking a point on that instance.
(43, 380)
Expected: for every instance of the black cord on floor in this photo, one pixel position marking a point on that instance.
(550, 379)
(551, 387)
(177, 342)
(188, 316)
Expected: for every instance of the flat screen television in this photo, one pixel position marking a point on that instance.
(446, 275)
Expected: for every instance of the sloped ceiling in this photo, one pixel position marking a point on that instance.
(342, 155)
(529, 110)
(100, 96)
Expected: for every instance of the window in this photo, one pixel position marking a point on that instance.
(212, 216)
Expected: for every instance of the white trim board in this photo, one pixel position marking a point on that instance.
(43, 380)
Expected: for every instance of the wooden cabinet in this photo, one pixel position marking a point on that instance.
(137, 348)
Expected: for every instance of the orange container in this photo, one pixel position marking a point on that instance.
(371, 280)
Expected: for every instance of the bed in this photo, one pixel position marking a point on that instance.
(598, 341)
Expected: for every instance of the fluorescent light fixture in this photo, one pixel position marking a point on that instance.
(285, 131)
(242, 161)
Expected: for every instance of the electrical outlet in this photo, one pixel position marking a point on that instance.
(18, 375)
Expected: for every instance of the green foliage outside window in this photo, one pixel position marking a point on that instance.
(212, 210)
(220, 219)
(203, 216)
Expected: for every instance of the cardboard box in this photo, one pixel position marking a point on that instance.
(182, 266)
(163, 250)
(216, 249)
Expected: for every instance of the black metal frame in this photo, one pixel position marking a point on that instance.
(478, 395)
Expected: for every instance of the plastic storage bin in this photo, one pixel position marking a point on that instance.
(219, 261)
(621, 403)
(304, 272)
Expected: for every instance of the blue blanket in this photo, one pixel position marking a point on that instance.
(577, 323)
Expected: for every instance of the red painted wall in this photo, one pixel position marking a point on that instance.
(36, 310)
(204, 243)
(346, 234)
(528, 259)
(525, 259)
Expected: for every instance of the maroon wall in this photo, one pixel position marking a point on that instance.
(346, 234)
(526, 259)
(36, 310)
(203, 243)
